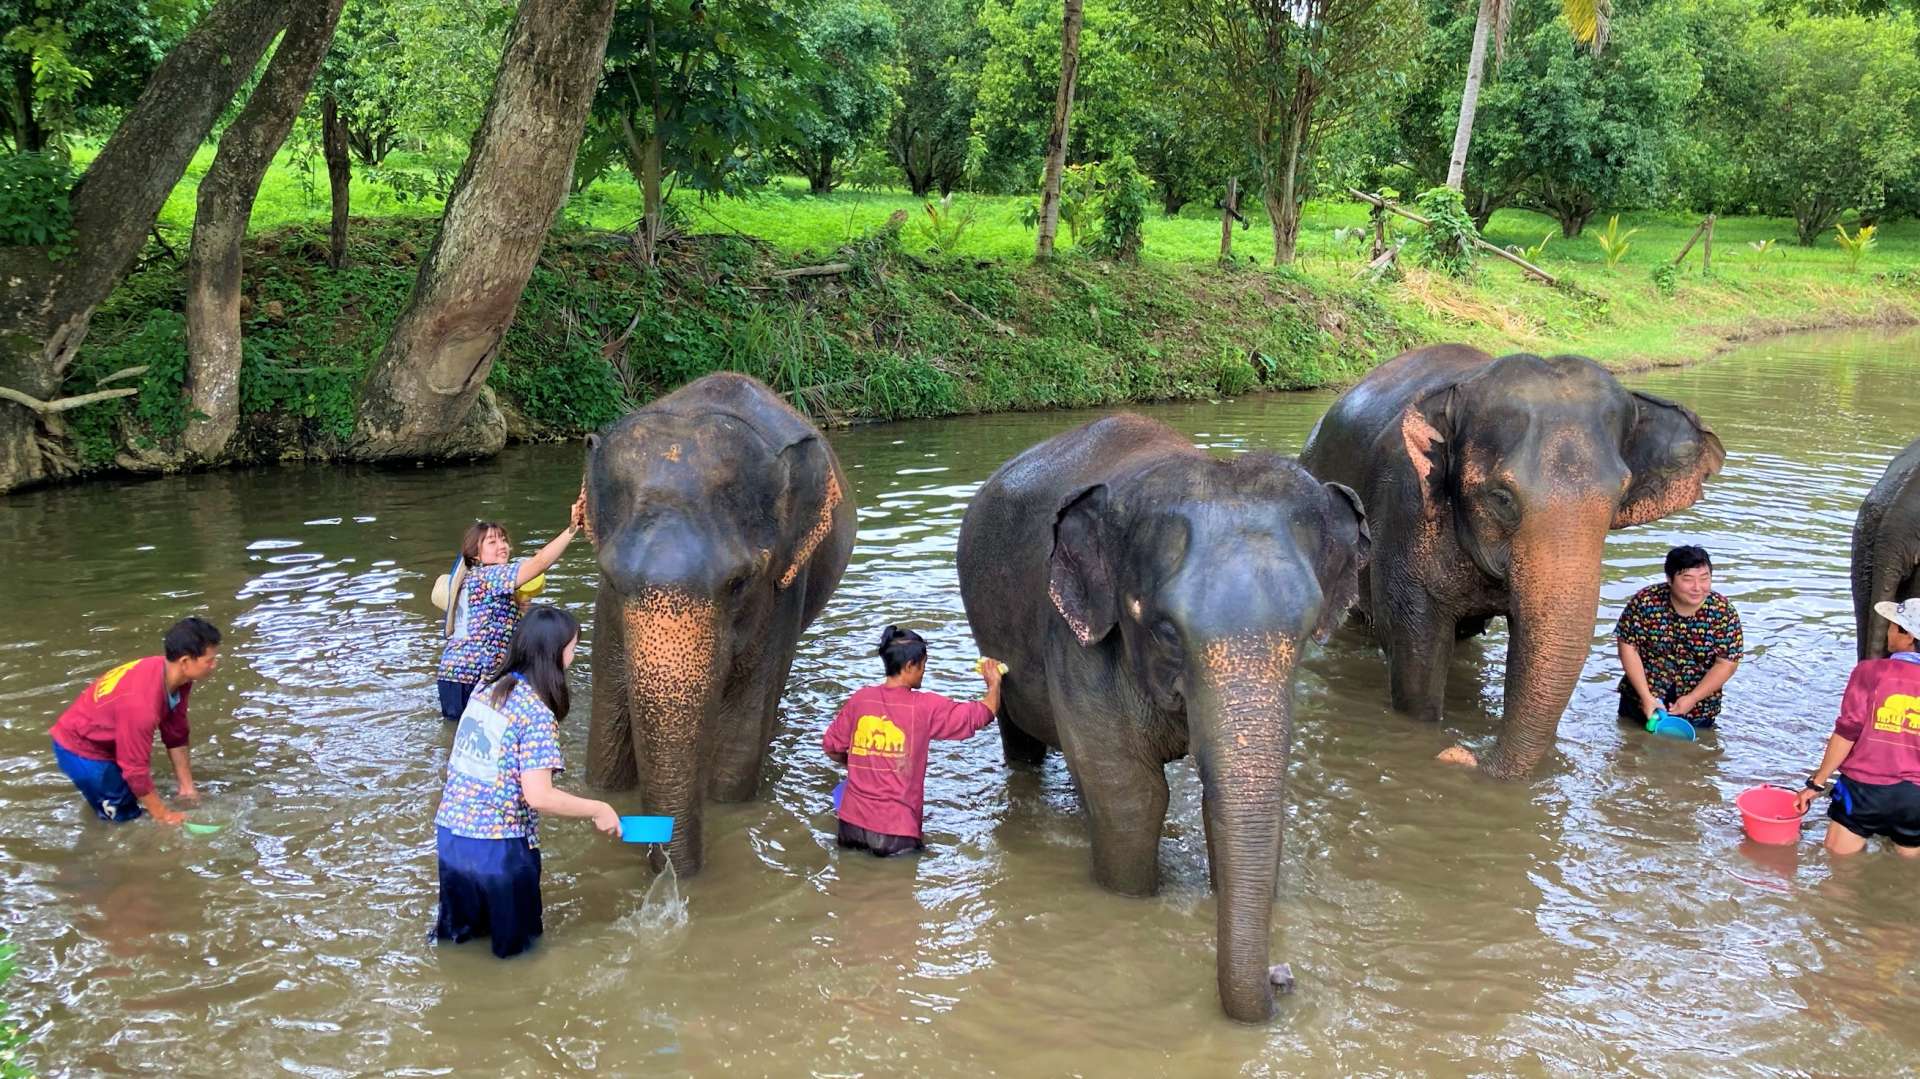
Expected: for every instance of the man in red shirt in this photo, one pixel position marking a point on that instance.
(1876, 746)
(104, 740)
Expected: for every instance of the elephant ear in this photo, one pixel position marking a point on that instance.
(1342, 560)
(1669, 454)
(1080, 570)
(808, 504)
(1426, 432)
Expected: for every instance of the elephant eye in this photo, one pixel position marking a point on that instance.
(1166, 633)
(736, 584)
(1503, 504)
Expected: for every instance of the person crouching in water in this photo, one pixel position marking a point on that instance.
(482, 610)
(1876, 746)
(499, 781)
(881, 735)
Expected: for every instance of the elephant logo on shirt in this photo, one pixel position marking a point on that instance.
(111, 679)
(1899, 712)
(877, 734)
(476, 745)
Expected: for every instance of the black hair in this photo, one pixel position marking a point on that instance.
(535, 655)
(901, 648)
(1686, 557)
(191, 636)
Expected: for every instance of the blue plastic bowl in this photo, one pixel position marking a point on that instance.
(1668, 725)
(646, 829)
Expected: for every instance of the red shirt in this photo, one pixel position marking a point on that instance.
(884, 733)
(114, 719)
(1880, 715)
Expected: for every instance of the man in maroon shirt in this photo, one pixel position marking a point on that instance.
(104, 740)
(1876, 746)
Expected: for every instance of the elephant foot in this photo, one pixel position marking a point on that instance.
(1280, 975)
(1460, 755)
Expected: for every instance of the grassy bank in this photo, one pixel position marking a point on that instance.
(906, 333)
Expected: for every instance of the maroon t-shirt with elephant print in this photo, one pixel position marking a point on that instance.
(1677, 650)
(884, 733)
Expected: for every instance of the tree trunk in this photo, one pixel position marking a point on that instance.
(497, 218)
(1470, 97)
(220, 226)
(28, 136)
(1283, 197)
(820, 176)
(333, 145)
(1229, 209)
(1057, 136)
(46, 308)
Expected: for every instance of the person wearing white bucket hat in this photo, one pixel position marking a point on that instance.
(1875, 747)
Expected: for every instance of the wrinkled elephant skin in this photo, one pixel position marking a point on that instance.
(1886, 548)
(1151, 601)
(722, 523)
(1490, 485)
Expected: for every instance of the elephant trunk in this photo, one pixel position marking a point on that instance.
(672, 667)
(1554, 575)
(1241, 720)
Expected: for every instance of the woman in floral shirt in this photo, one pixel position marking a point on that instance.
(1679, 643)
(483, 613)
(499, 781)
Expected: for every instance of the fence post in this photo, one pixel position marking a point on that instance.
(1227, 214)
(1706, 248)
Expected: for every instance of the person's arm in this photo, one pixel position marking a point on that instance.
(839, 736)
(958, 719)
(174, 734)
(536, 786)
(183, 774)
(1837, 750)
(545, 557)
(1637, 676)
(1710, 684)
(134, 721)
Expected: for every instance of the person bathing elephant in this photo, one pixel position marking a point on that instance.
(722, 523)
(1886, 548)
(1151, 601)
(1490, 486)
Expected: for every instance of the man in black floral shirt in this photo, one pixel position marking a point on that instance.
(1679, 643)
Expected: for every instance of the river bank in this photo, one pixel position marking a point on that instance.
(877, 330)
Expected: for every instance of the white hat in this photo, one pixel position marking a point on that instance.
(1905, 614)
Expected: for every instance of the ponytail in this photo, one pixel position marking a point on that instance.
(900, 649)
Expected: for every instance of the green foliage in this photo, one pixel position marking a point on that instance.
(1666, 278)
(944, 223)
(1613, 243)
(1446, 244)
(34, 211)
(1532, 254)
(71, 66)
(12, 1038)
(1122, 207)
(56, 81)
(849, 82)
(935, 78)
(1762, 248)
(1856, 246)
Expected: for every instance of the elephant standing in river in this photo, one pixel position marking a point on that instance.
(1490, 486)
(722, 523)
(1151, 600)
(1886, 548)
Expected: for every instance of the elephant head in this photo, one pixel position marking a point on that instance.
(1202, 579)
(1535, 460)
(704, 523)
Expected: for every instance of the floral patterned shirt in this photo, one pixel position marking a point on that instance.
(1677, 650)
(483, 626)
(493, 746)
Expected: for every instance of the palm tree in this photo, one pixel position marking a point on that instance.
(1586, 18)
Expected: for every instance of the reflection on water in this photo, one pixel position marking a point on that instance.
(1604, 916)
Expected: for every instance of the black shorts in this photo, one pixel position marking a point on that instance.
(1870, 809)
(880, 843)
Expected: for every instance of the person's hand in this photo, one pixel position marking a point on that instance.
(1651, 704)
(1804, 800)
(1683, 706)
(605, 819)
(189, 794)
(577, 516)
(990, 670)
(168, 816)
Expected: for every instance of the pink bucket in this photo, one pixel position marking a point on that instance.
(1768, 815)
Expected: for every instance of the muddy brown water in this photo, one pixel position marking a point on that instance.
(1604, 916)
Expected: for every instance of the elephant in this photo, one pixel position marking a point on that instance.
(1490, 485)
(1151, 601)
(722, 523)
(1886, 548)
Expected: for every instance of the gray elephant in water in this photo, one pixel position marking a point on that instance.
(1151, 601)
(722, 523)
(1886, 548)
(1490, 486)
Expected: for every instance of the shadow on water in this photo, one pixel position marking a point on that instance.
(1604, 916)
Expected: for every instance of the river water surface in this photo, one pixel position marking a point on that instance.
(1604, 916)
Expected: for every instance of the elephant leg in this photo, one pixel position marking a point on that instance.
(1126, 801)
(1019, 716)
(610, 750)
(748, 716)
(1020, 748)
(1419, 646)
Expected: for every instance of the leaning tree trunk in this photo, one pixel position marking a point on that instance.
(46, 307)
(1470, 97)
(498, 215)
(1057, 136)
(333, 146)
(220, 226)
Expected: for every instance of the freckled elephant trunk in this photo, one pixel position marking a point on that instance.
(672, 666)
(1555, 578)
(1242, 730)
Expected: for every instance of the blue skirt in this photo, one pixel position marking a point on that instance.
(489, 887)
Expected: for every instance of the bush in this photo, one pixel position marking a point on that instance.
(33, 202)
(1124, 196)
(1446, 244)
(1666, 278)
(12, 1038)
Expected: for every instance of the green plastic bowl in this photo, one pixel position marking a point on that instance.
(197, 828)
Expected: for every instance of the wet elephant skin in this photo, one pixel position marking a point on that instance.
(1490, 485)
(1886, 548)
(722, 522)
(1151, 601)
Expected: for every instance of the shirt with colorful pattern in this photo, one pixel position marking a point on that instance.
(483, 629)
(1677, 650)
(491, 749)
